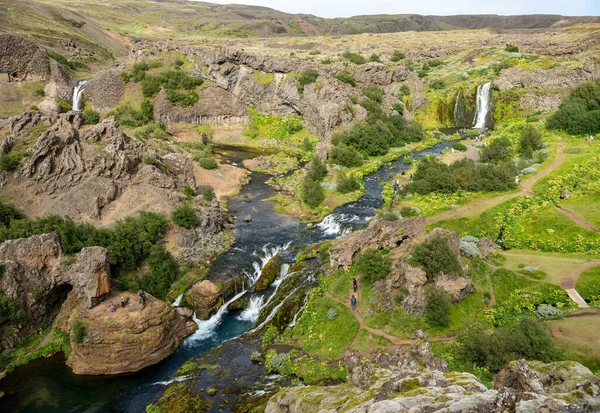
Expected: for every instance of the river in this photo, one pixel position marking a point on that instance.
(49, 386)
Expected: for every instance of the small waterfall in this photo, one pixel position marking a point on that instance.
(77, 94)
(264, 257)
(460, 116)
(483, 105)
(293, 323)
(283, 273)
(332, 224)
(177, 302)
(273, 312)
(252, 312)
(206, 328)
(173, 380)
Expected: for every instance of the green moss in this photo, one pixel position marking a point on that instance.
(188, 367)
(263, 78)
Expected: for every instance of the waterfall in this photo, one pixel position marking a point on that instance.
(206, 328)
(252, 312)
(293, 323)
(77, 93)
(483, 105)
(332, 224)
(273, 312)
(283, 273)
(264, 257)
(177, 302)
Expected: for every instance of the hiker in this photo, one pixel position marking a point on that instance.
(395, 187)
(112, 307)
(353, 303)
(123, 302)
(142, 295)
(452, 150)
(354, 284)
(517, 179)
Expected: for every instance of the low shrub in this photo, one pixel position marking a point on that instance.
(468, 248)
(10, 163)
(91, 116)
(78, 331)
(546, 312)
(355, 58)
(208, 194)
(397, 56)
(332, 314)
(163, 272)
(312, 193)
(347, 156)
(307, 77)
(530, 141)
(375, 58)
(278, 363)
(374, 93)
(437, 84)
(185, 217)
(437, 257)
(346, 78)
(10, 310)
(460, 147)
(410, 212)
(39, 92)
(389, 216)
(346, 184)
(511, 49)
(437, 310)
(207, 163)
(317, 171)
(373, 265)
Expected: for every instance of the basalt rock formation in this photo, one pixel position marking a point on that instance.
(204, 299)
(412, 380)
(21, 59)
(128, 339)
(38, 277)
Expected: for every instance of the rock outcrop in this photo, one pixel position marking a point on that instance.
(22, 59)
(38, 277)
(204, 298)
(128, 339)
(412, 380)
(556, 78)
(105, 90)
(268, 275)
(379, 234)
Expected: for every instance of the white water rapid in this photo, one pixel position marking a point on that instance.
(252, 312)
(77, 93)
(332, 224)
(483, 105)
(264, 257)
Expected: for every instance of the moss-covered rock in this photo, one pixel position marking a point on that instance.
(269, 274)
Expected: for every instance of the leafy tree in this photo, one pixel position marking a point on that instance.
(185, 217)
(163, 272)
(374, 93)
(497, 151)
(312, 193)
(318, 170)
(345, 156)
(438, 308)
(207, 163)
(437, 257)
(347, 183)
(9, 213)
(372, 265)
(579, 113)
(531, 141)
(78, 331)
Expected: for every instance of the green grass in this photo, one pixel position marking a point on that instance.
(586, 206)
(367, 342)
(312, 371)
(324, 338)
(263, 78)
(588, 284)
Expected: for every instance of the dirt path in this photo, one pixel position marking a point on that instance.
(526, 190)
(577, 219)
(570, 279)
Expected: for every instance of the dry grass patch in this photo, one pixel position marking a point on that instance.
(579, 335)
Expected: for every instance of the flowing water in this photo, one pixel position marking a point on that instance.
(48, 386)
(483, 105)
(77, 94)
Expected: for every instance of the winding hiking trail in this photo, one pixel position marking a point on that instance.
(478, 206)
(577, 219)
(395, 341)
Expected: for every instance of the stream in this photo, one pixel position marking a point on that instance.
(49, 386)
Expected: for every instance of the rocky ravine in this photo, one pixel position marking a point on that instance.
(412, 380)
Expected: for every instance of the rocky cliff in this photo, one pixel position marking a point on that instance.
(412, 380)
(38, 277)
(21, 59)
(128, 339)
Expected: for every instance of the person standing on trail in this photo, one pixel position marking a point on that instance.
(142, 295)
(353, 303)
(355, 284)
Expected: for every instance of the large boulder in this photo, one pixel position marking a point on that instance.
(269, 274)
(105, 90)
(374, 74)
(204, 298)
(38, 277)
(379, 234)
(128, 339)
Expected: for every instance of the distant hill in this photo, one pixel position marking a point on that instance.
(98, 29)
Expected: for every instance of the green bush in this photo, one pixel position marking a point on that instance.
(375, 58)
(355, 58)
(163, 272)
(346, 78)
(91, 116)
(437, 257)
(579, 113)
(307, 77)
(138, 72)
(312, 193)
(437, 84)
(326, 61)
(208, 194)
(189, 192)
(185, 217)
(345, 156)
(438, 308)
(317, 171)
(528, 340)
(70, 64)
(346, 184)
(152, 130)
(459, 147)
(373, 265)
(207, 163)
(403, 90)
(374, 93)
(10, 310)
(187, 98)
(78, 331)
(10, 163)
(9, 213)
(34, 108)
(497, 151)
(511, 49)
(397, 56)
(530, 141)
(129, 117)
(39, 92)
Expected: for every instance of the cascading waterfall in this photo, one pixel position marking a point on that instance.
(77, 94)
(252, 312)
(273, 312)
(206, 328)
(483, 105)
(267, 254)
(293, 323)
(332, 224)
(283, 273)
(177, 302)
(459, 115)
